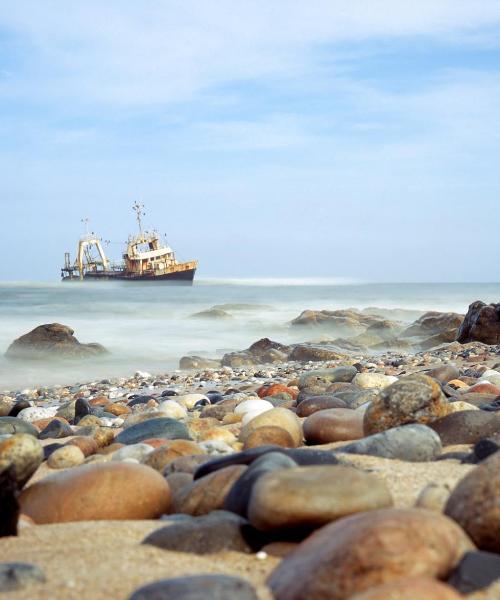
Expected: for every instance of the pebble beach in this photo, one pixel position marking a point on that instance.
(360, 467)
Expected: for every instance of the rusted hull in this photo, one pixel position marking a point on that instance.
(181, 277)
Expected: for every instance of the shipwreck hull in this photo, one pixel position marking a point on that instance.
(184, 277)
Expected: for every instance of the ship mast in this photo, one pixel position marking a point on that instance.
(138, 208)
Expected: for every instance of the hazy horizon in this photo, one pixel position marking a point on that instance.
(330, 139)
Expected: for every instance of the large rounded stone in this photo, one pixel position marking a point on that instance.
(444, 373)
(200, 587)
(316, 403)
(412, 443)
(97, 492)
(481, 323)
(269, 435)
(165, 428)
(308, 497)
(414, 588)
(279, 417)
(162, 456)
(475, 504)
(413, 399)
(362, 551)
(466, 427)
(65, 457)
(24, 452)
(16, 425)
(333, 425)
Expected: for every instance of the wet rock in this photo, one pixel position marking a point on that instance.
(239, 495)
(24, 452)
(209, 493)
(364, 550)
(412, 443)
(165, 428)
(476, 571)
(466, 427)
(218, 531)
(412, 588)
(206, 587)
(103, 491)
(212, 313)
(413, 399)
(52, 341)
(15, 425)
(309, 497)
(333, 425)
(473, 504)
(481, 323)
(342, 322)
(433, 322)
(198, 362)
(17, 576)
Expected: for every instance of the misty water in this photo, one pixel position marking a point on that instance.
(148, 326)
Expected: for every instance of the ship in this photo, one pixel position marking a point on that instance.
(146, 258)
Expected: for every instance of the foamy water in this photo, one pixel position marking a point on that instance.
(147, 326)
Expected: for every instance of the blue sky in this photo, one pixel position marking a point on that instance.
(269, 138)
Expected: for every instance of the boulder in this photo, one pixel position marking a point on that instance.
(198, 362)
(481, 324)
(315, 353)
(433, 323)
(342, 322)
(212, 314)
(52, 341)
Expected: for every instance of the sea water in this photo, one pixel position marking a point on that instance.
(148, 326)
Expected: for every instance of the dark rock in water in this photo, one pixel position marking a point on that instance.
(476, 570)
(301, 456)
(491, 406)
(239, 496)
(263, 351)
(56, 429)
(444, 373)
(16, 576)
(315, 352)
(215, 532)
(433, 322)
(473, 504)
(412, 443)
(198, 362)
(199, 587)
(486, 447)
(145, 399)
(18, 407)
(466, 427)
(52, 341)
(415, 398)
(9, 505)
(342, 322)
(164, 428)
(316, 403)
(481, 324)
(16, 425)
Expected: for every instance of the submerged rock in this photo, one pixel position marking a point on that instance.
(481, 323)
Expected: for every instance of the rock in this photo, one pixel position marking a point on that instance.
(325, 377)
(199, 587)
(476, 571)
(484, 387)
(138, 452)
(413, 588)
(67, 456)
(486, 447)
(374, 380)
(433, 322)
(85, 443)
(492, 406)
(173, 410)
(56, 429)
(239, 495)
(269, 435)
(17, 576)
(317, 403)
(165, 428)
(278, 417)
(413, 399)
(198, 362)
(459, 406)
(162, 456)
(275, 389)
(333, 425)
(9, 505)
(268, 351)
(412, 443)
(315, 352)
(15, 425)
(481, 324)
(189, 401)
(434, 497)
(212, 313)
(35, 413)
(466, 427)
(474, 505)
(218, 531)
(102, 491)
(52, 341)
(186, 464)
(254, 406)
(24, 453)
(209, 492)
(492, 375)
(341, 322)
(309, 497)
(357, 553)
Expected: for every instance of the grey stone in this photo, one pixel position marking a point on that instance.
(164, 427)
(16, 425)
